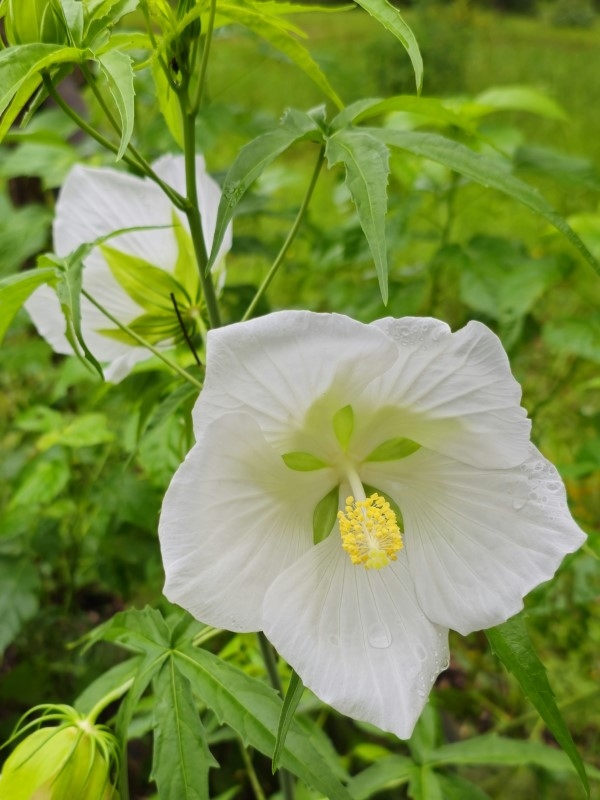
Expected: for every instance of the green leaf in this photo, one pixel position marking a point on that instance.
(252, 160)
(325, 515)
(431, 109)
(117, 68)
(425, 785)
(181, 759)
(142, 631)
(86, 430)
(107, 682)
(511, 643)
(268, 27)
(343, 425)
(517, 98)
(19, 592)
(393, 449)
(147, 285)
(491, 172)
(253, 710)
(15, 290)
(100, 14)
(41, 481)
(302, 462)
(290, 704)
(366, 161)
(154, 328)
(279, 7)
(578, 337)
(456, 788)
(387, 773)
(71, 12)
(388, 16)
(168, 103)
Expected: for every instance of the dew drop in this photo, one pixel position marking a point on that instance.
(519, 502)
(421, 652)
(445, 664)
(420, 692)
(379, 636)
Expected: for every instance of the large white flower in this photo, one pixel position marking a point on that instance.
(133, 274)
(448, 514)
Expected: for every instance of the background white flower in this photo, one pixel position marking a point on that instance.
(484, 515)
(94, 202)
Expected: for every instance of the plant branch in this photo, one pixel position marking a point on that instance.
(205, 54)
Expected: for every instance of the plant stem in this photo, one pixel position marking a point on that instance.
(192, 211)
(286, 782)
(107, 700)
(168, 361)
(290, 237)
(186, 335)
(205, 53)
(140, 165)
(256, 787)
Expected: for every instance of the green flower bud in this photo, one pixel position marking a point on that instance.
(72, 760)
(29, 21)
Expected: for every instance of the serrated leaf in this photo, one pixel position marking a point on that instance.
(19, 592)
(393, 449)
(117, 68)
(387, 773)
(325, 515)
(390, 18)
(491, 172)
(250, 163)
(302, 462)
(290, 704)
(15, 290)
(268, 27)
(181, 759)
(102, 13)
(511, 643)
(142, 631)
(253, 710)
(366, 160)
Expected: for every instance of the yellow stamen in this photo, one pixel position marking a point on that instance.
(370, 532)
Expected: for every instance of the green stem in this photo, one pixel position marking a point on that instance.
(290, 237)
(140, 165)
(286, 782)
(256, 787)
(205, 54)
(107, 700)
(165, 359)
(192, 213)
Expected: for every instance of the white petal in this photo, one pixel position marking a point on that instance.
(451, 392)
(278, 366)
(46, 314)
(233, 518)
(478, 540)
(356, 637)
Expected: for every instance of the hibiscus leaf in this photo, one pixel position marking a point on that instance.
(489, 172)
(325, 515)
(106, 683)
(430, 109)
(511, 643)
(366, 160)
(389, 772)
(290, 704)
(343, 425)
(19, 592)
(117, 68)
(393, 449)
(15, 290)
(252, 160)
(181, 759)
(253, 710)
(302, 462)
(385, 13)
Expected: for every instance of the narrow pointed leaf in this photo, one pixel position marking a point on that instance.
(290, 704)
(302, 462)
(490, 172)
(390, 18)
(431, 109)
(117, 68)
(393, 449)
(325, 515)
(15, 290)
(250, 163)
(511, 643)
(366, 160)
(388, 773)
(149, 286)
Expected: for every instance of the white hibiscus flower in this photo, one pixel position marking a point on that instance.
(356, 490)
(133, 274)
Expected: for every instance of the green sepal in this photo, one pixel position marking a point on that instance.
(343, 425)
(186, 270)
(325, 515)
(302, 462)
(393, 449)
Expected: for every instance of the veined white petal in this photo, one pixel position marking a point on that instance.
(357, 637)
(277, 368)
(478, 540)
(233, 518)
(451, 392)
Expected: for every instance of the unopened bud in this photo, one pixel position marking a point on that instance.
(29, 21)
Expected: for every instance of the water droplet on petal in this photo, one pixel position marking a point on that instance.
(519, 502)
(420, 692)
(421, 652)
(379, 636)
(445, 664)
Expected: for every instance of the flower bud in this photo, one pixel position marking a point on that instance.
(29, 21)
(65, 761)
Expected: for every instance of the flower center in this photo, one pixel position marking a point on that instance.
(370, 532)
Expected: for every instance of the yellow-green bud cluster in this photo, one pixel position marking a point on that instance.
(28, 21)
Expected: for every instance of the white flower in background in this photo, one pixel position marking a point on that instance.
(133, 274)
(447, 517)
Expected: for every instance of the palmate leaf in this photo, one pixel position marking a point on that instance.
(100, 14)
(252, 159)
(511, 643)
(366, 160)
(117, 68)
(389, 16)
(489, 172)
(15, 290)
